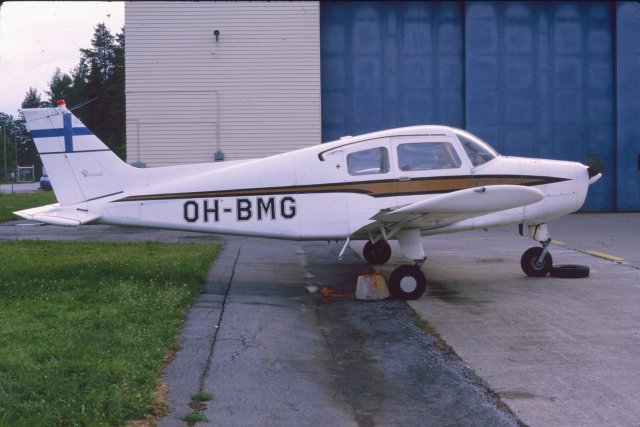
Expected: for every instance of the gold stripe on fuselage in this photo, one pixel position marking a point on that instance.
(378, 188)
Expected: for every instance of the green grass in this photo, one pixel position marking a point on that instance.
(10, 203)
(85, 326)
(201, 396)
(194, 417)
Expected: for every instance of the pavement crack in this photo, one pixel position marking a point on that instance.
(219, 321)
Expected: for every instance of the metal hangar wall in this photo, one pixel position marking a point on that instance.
(555, 80)
(206, 80)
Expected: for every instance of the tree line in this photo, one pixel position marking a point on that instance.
(94, 89)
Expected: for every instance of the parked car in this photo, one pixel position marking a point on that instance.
(45, 184)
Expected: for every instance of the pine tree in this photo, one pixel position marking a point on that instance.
(101, 56)
(6, 129)
(80, 77)
(32, 99)
(27, 153)
(60, 87)
(115, 96)
(99, 77)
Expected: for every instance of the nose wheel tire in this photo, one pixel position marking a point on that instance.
(407, 282)
(377, 253)
(532, 265)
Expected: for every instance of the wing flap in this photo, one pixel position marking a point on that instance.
(55, 215)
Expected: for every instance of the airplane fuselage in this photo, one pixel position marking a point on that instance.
(313, 193)
(399, 184)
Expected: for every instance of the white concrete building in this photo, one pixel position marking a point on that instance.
(242, 78)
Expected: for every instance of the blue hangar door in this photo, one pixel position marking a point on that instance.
(540, 83)
(388, 65)
(533, 79)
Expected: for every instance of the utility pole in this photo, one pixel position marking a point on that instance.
(4, 143)
(15, 172)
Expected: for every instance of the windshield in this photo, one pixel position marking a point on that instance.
(479, 152)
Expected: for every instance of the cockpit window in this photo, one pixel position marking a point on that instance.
(479, 152)
(427, 155)
(371, 161)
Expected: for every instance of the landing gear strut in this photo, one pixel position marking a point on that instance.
(377, 253)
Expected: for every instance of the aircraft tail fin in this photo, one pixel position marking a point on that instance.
(80, 167)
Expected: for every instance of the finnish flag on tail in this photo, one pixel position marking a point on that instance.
(80, 167)
(56, 130)
(68, 131)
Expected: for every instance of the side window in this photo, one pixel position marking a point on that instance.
(427, 155)
(365, 162)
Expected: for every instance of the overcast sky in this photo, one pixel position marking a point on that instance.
(37, 37)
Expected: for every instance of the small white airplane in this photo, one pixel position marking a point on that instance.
(399, 184)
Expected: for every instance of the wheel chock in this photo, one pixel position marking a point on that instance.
(372, 287)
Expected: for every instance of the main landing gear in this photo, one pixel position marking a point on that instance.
(377, 253)
(406, 282)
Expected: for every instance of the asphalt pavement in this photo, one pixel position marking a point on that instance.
(501, 348)
(271, 354)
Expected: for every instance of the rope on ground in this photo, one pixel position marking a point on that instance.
(330, 295)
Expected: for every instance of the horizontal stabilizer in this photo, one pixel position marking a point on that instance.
(478, 200)
(56, 215)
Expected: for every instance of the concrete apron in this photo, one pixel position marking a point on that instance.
(270, 356)
(557, 351)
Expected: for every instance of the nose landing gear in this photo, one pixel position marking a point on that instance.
(537, 262)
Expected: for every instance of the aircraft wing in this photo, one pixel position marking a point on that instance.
(56, 215)
(445, 209)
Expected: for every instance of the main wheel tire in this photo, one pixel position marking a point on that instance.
(529, 263)
(407, 282)
(377, 253)
(570, 271)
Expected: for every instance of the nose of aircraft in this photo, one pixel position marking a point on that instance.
(579, 183)
(594, 170)
(570, 191)
(595, 173)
